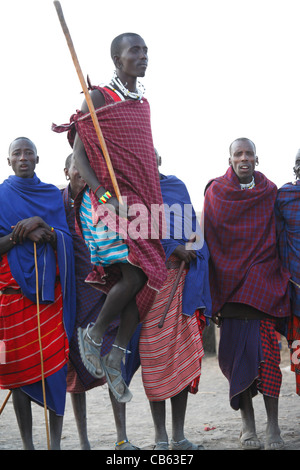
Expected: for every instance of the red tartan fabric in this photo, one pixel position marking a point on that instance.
(270, 377)
(240, 232)
(127, 132)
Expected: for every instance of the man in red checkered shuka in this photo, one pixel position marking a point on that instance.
(249, 287)
(128, 265)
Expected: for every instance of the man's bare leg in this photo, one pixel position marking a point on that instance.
(119, 410)
(22, 407)
(120, 300)
(158, 411)
(79, 408)
(56, 425)
(273, 438)
(117, 300)
(178, 404)
(248, 436)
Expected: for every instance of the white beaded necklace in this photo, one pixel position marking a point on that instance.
(138, 95)
(248, 185)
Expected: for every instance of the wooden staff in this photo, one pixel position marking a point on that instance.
(5, 401)
(175, 285)
(40, 344)
(88, 99)
(295, 283)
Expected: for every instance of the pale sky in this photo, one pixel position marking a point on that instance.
(218, 70)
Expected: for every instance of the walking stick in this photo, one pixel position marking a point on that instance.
(175, 285)
(40, 344)
(88, 99)
(5, 401)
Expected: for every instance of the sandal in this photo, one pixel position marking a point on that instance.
(109, 371)
(185, 444)
(125, 445)
(161, 446)
(250, 441)
(87, 346)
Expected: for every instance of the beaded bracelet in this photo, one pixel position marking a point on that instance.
(106, 196)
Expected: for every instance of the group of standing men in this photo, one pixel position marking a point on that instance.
(101, 273)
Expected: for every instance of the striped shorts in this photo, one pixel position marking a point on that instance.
(106, 247)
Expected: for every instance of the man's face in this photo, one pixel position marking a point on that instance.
(134, 56)
(23, 158)
(243, 160)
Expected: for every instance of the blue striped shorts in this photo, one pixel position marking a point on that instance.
(106, 247)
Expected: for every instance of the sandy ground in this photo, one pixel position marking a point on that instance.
(208, 408)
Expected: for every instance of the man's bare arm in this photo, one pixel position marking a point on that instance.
(6, 243)
(80, 157)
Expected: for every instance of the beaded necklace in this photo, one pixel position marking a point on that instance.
(248, 185)
(123, 92)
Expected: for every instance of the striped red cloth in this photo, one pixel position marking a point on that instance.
(126, 128)
(241, 236)
(171, 356)
(19, 332)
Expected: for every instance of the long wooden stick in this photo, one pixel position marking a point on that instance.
(5, 401)
(88, 99)
(175, 285)
(40, 344)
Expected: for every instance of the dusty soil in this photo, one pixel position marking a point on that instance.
(207, 409)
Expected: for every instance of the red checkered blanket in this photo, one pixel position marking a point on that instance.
(127, 132)
(240, 232)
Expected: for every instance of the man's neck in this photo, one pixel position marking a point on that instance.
(128, 82)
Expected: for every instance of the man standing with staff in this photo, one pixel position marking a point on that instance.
(249, 287)
(32, 213)
(129, 269)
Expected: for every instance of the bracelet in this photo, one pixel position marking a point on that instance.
(121, 442)
(106, 196)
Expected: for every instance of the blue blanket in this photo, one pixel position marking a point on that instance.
(287, 209)
(21, 198)
(182, 222)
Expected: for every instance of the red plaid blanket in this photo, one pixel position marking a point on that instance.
(240, 232)
(127, 132)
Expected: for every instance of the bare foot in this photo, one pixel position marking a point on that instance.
(273, 439)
